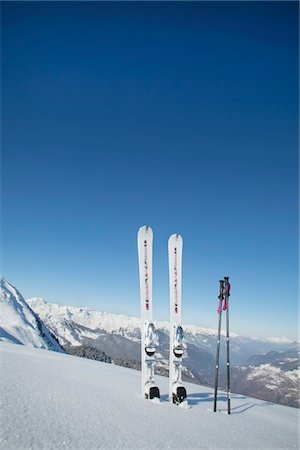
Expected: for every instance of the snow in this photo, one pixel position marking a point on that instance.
(275, 340)
(293, 375)
(67, 323)
(194, 329)
(273, 387)
(57, 401)
(279, 340)
(96, 320)
(55, 316)
(263, 370)
(273, 373)
(19, 324)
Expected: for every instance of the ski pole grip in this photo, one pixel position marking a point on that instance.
(227, 286)
(220, 296)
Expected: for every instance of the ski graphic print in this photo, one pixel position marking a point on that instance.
(149, 340)
(177, 392)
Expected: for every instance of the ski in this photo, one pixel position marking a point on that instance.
(177, 392)
(149, 339)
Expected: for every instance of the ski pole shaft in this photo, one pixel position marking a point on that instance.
(227, 293)
(228, 361)
(218, 344)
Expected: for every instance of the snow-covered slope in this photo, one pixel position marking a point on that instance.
(58, 401)
(19, 324)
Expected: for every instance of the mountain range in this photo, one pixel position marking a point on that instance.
(273, 376)
(264, 368)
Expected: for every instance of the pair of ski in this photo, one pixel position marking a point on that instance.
(149, 338)
(223, 306)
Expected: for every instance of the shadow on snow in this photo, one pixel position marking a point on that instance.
(198, 398)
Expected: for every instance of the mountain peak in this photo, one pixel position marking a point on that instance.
(38, 301)
(19, 323)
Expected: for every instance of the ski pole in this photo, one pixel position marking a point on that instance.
(226, 306)
(218, 343)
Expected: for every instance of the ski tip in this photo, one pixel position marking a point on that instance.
(175, 237)
(145, 229)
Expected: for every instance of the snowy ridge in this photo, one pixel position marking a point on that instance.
(90, 404)
(276, 340)
(127, 326)
(279, 340)
(91, 318)
(193, 329)
(76, 326)
(91, 322)
(19, 324)
(272, 373)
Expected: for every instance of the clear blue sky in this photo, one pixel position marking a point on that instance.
(182, 116)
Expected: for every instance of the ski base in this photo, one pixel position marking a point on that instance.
(152, 393)
(179, 396)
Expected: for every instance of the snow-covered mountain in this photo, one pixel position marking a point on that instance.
(273, 376)
(72, 325)
(113, 337)
(19, 324)
(76, 326)
(58, 401)
(118, 336)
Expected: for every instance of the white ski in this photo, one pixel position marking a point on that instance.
(149, 340)
(177, 392)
